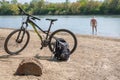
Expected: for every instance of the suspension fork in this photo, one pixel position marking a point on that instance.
(21, 34)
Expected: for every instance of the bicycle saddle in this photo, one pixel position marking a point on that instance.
(51, 20)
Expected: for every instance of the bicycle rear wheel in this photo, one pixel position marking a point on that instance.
(16, 41)
(67, 35)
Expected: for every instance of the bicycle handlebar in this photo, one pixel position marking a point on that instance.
(32, 17)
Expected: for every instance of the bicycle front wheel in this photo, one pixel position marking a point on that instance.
(16, 41)
(67, 35)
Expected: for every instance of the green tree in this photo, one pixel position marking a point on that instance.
(38, 6)
(14, 1)
(5, 8)
(110, 7)
(118, 8)
(113, 6)
(74, 8)
(83, 7)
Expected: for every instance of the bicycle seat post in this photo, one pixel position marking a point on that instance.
(51, 22)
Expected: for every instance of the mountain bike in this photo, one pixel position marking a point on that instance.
(18, 39)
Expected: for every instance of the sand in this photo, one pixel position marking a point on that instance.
(96, 58)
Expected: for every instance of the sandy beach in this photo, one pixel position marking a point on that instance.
(96, 58)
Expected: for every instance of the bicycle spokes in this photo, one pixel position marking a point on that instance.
(67, 35)
(16, 41)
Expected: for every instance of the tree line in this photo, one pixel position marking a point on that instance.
(80, 7)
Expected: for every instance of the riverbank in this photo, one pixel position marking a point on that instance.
(96, 58)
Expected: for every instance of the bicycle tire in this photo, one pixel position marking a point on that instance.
(7, 43)
(68, 33)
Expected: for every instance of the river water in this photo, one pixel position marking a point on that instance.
(107, 25)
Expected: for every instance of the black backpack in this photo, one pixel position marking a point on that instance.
(62, 51)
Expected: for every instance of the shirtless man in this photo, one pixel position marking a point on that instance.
(93, 23)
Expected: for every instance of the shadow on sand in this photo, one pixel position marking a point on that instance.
(49, 58)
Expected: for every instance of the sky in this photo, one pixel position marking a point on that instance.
(23, 1)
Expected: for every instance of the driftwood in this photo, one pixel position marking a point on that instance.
(30, 66)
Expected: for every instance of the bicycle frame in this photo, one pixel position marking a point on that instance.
(44, 42)
(35, 26)
(35, 29)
